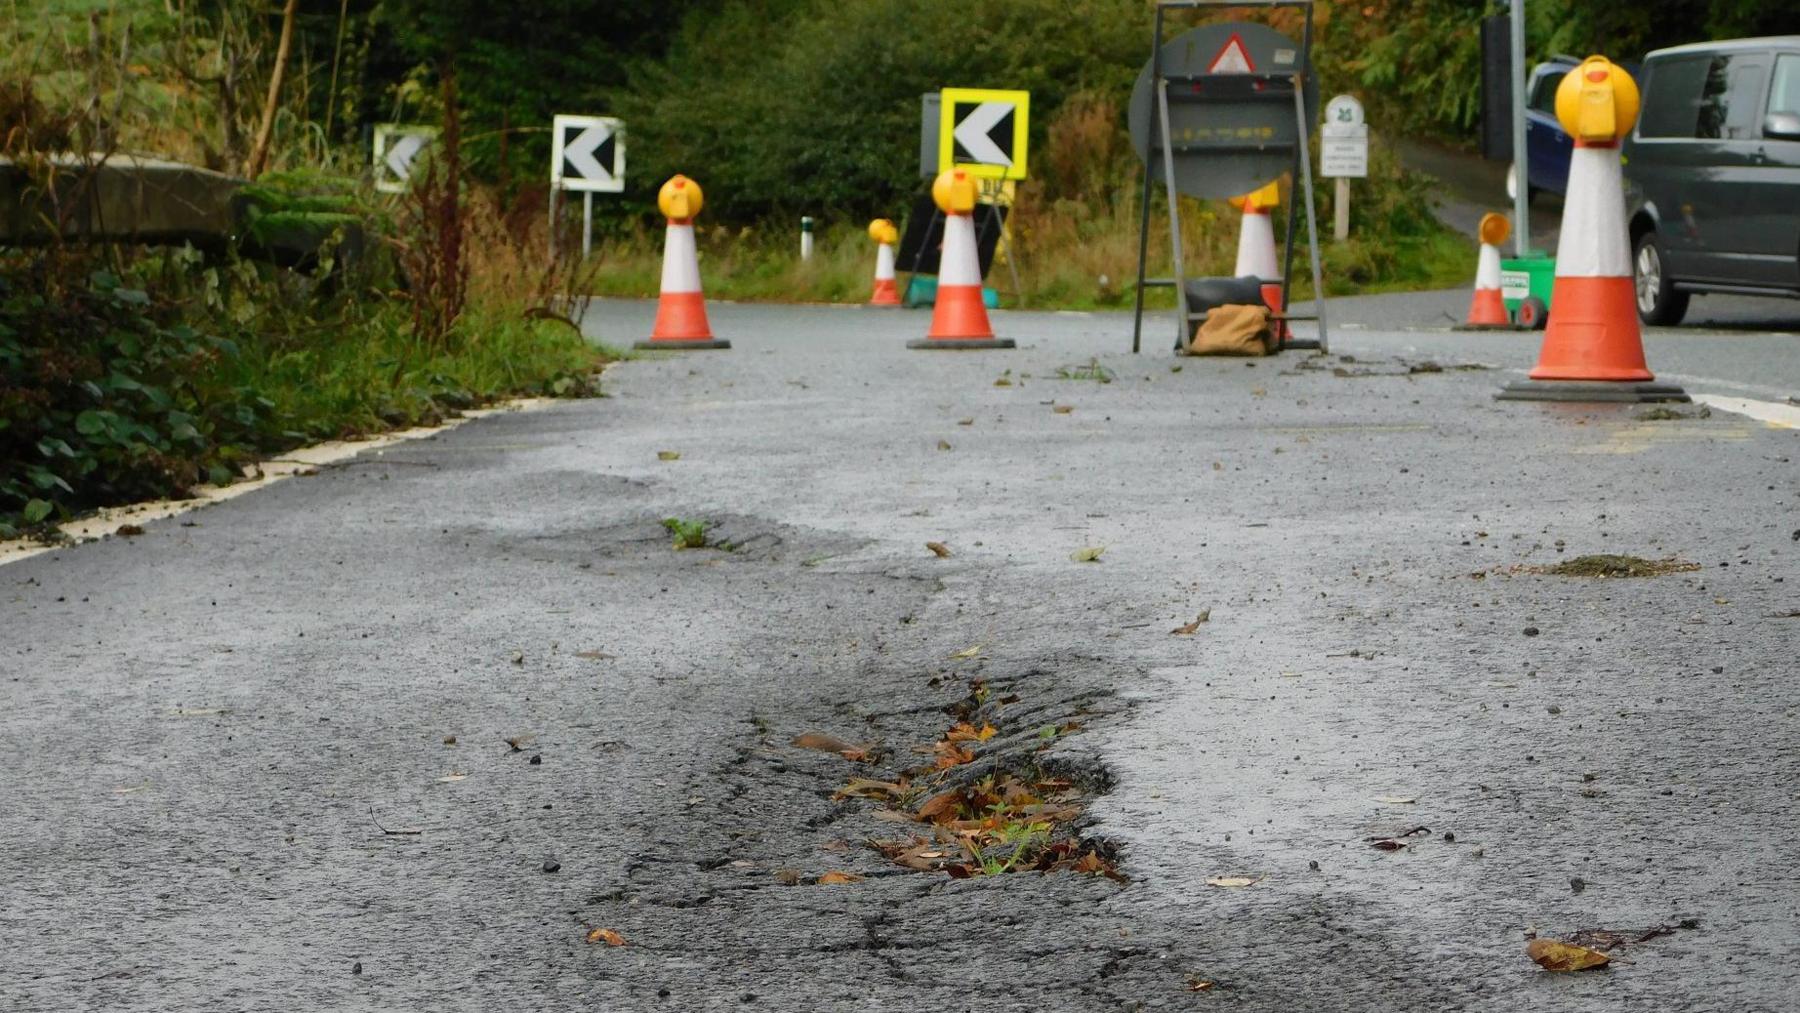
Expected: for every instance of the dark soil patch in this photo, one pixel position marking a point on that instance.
(1608, 565)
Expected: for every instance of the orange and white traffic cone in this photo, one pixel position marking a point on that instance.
(959, 318)
(1593, 349)
(1487, 310)
(681, 308)
(886, 293)
(1256, 256)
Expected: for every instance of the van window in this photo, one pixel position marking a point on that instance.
(1672, 96)
(1784, 94)
(1728, 104)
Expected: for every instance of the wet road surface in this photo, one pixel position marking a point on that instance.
(212, 730)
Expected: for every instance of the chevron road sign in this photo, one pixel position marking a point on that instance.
(984, 131)
(397, 148)
(588, 153)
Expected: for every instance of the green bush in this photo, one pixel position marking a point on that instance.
(107, 396)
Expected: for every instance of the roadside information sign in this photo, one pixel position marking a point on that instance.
(397, 148)
(984, 131)
(1344, 140)
(588, 153)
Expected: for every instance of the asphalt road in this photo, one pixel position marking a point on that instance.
(210, 731)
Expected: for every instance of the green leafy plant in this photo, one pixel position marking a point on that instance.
(688, 534)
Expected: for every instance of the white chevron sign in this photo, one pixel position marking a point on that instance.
(588, 153)
(397, 148)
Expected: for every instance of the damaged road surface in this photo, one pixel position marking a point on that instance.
(1053, 679)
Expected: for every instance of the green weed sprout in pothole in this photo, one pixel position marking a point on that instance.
(688, 534)
(1091, 370)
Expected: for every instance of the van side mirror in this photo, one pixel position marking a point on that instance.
(1782, 127)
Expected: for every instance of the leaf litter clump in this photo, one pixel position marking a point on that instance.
(979, 802)
(1609, 565)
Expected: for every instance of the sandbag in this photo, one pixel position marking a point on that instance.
(1233, 330)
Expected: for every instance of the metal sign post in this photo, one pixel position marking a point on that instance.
(1210, 109)
(1521, 157)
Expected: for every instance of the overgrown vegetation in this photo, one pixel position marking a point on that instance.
(131, 371)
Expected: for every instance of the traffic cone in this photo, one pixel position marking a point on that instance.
(1487, 310)
(885, 235)
(959, 318)
(1256, 250)
(1593, 349)
(681, 308)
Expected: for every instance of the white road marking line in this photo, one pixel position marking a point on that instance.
(1781, 416)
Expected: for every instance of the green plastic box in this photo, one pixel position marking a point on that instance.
(1528, 278)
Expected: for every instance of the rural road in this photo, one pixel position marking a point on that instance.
(258, 757)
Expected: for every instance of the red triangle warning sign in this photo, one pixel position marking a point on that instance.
(1233, 58)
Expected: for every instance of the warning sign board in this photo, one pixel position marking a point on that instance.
(984, 131)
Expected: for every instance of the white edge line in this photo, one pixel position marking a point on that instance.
(1780, 416)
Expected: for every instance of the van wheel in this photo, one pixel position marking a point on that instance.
(1657, 301)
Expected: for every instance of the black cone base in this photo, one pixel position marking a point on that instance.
(1590, 391)
(653, 345)
(964, 343)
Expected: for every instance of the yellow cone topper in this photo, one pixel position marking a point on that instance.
(1597, 102)
(680, 199)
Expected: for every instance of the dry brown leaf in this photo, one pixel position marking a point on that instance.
(943, 804)
(943, 444)
(607, 936)
(939, 549)
(829, 744)
(1556, 955)
(1063, 409)
(787, 877)
(1201, 985)
(863, 787)
(595, 655)
(835, 877)
(965, 422)
(1190, 628)
(1232, 881)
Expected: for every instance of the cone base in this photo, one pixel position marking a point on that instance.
(961, 343)
(1584, 391)
(681, 344)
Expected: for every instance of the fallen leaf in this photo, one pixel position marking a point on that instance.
(1556, 955)
(1395, 800)
(835, 877)
(967, 652)
(453, 777)
(965, 422)
(944, 803)
(820, 741)
(668, 455)
(1090, 554)
(1233, 881)
(1063, 409)
(1003, 382)
(864, 787)
(1387, 844)
(607, 936)
(787, 877)
(1190, 628)
(1201, 985)
(595, 655)
(939, 549)
(943, 444)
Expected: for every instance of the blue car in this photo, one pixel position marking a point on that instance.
(1547, 144)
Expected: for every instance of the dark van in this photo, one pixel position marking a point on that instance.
(1713, 168)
